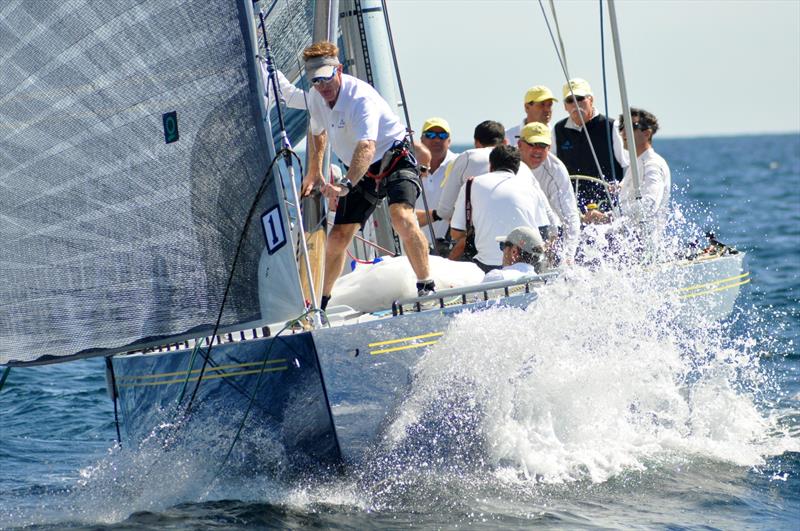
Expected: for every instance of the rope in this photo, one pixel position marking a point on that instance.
(197, 344)
(408, 118)
(110, 369)
(253, 395)
(605, 91)
(261, 189)
(562, 62)
(4, 377)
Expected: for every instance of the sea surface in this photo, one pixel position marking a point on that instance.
(647, 425)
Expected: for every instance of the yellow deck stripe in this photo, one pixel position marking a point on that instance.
(722, 288)
(392, 341)
(404, 347)
(701, 286)
(183, 373)
(207, 377)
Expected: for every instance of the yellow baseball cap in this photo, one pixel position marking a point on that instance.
(536, 133)
(436, 122)
(538, 94)
(580, 87)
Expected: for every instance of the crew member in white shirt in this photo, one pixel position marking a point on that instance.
(654, 176)
(363, 131)
(551, 174)
(538, 104)
(470, 163)
(436, 138)
(523, 255)
(501, 200)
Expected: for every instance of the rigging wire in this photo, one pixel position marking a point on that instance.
(113, 389)
(605, 93)
(562, 62)
(287, 157)
(408, 119)
(257, 386)
(261, 189)
(4, 377)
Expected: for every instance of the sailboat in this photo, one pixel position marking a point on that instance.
(147, 220)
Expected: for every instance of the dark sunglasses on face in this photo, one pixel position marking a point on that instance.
(432, 134)
(503, 245)
(324, 80)
(570, 99)
(638, 125)
(540, 145)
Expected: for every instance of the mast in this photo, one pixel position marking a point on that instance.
(623, 91)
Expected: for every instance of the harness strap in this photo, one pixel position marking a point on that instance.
(468, 202)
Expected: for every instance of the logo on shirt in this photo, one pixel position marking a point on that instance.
(341, 123)
(567, 145)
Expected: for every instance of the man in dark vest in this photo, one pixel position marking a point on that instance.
(572, 146)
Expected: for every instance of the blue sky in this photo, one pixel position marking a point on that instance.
(703, 67)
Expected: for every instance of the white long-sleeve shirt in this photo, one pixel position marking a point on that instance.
(655, 182)
(553, 177)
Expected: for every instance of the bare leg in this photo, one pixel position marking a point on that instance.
(338, 240)
(404, 221)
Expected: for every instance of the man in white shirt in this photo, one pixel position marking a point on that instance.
(523, 255)
(538, 103)
(470, 163)
(551, 174)
(501, 200)
(654, 176)
(436, 138)
(369, 139)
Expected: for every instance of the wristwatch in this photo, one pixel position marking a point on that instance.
(347, 186)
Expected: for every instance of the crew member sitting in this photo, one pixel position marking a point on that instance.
(499, 201)
(654, 176)
(523, 255)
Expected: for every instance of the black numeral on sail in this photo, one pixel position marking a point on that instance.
(274, 231)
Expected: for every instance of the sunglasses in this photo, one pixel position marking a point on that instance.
(638, 125)
(432, 134)
(503, 245)
(423, 168)
(570, 99)
(540, 145)
(324, 80)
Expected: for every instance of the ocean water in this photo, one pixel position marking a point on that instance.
(516, 419)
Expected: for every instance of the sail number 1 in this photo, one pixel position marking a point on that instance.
(274, 231)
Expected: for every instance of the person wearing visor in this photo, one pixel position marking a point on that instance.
(369, 139)
(436, 138)
(551, 174)
(654, 175)
(538, 104)
(572, 147)
(523, 255)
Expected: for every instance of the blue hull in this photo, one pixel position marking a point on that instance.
(323, 396)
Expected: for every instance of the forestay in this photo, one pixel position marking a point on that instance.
(131, 147)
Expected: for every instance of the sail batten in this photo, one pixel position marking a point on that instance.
(132, 145)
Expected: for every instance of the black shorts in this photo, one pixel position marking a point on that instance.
(400, 186)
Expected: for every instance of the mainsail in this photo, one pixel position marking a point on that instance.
(132, 144)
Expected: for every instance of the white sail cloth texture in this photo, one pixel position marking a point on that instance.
(132, 145)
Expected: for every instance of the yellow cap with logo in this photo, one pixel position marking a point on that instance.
(580, 87)
(536, 133)
(430, 123)
(538, 94)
